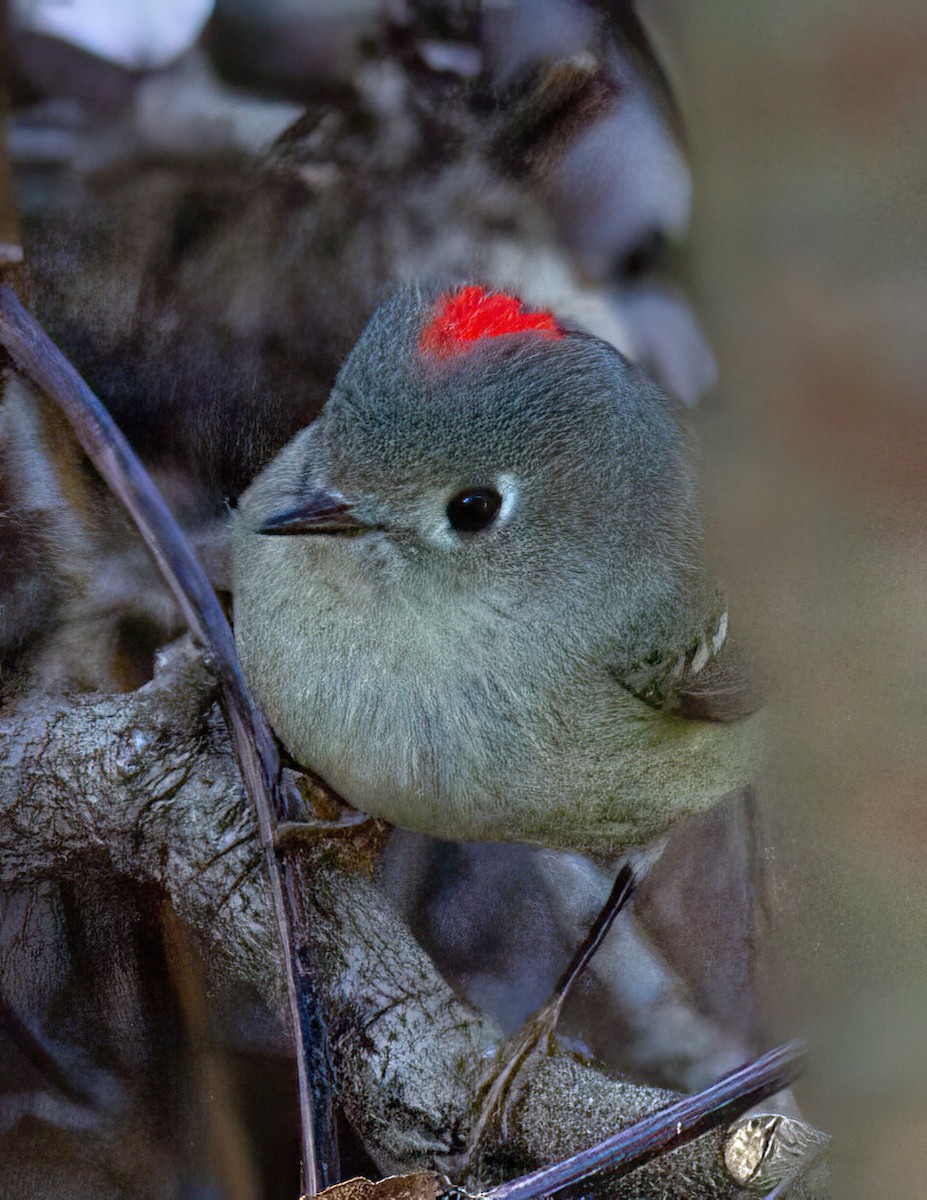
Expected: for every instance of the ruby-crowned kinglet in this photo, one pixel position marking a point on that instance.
(488, 619)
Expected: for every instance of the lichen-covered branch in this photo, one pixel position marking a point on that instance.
(148, 782)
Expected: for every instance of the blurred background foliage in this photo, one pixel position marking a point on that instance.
(808, 128)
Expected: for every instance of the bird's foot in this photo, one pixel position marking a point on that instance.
(537, 1032)
(327, 822)
(534, 1037)
(289, 834)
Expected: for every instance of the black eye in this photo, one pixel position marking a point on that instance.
(474, 509)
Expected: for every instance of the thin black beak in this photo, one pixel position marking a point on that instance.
(319, 512)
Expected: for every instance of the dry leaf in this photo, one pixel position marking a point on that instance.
(419, 1185)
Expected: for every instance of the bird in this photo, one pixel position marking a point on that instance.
(208, 285)
(469, 595)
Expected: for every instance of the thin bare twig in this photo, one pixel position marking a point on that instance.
(43, 363)
(665, 1130)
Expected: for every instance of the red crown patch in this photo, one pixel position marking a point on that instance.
(473, 313)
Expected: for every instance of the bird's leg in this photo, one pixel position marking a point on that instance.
(540, 1026)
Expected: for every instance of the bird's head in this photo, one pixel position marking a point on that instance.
(481, 446)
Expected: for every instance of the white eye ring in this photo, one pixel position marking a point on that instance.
(508, 490)
(445, 534)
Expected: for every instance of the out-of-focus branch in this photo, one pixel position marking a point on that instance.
(44, 364)
(11, 250)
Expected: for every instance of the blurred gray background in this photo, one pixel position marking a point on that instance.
(808, 126)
